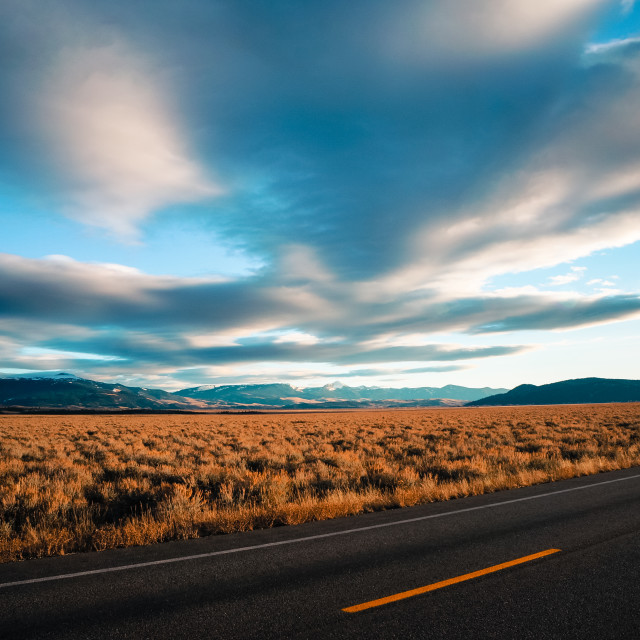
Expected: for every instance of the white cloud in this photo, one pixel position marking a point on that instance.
(43, 353)
(115, 140)
(557, 281)
(575, 274)
(599, 48)
(297, 337)
(491, 27)
(514, 24)
(463, 267)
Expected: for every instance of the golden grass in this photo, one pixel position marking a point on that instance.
(76, 483)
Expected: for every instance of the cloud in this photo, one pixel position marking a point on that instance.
(493, 27)
(140, 318)
(101, 134)
(37, 353)
(627, 5)
(576, 193)
(495, 166)
(574, 274)
(116, 142)
(298, 375)
(145, 349)
(568, 314)
(612, 46)
(223, 312)
(382, 181)
(435, 369)
(296, 337)
(95, 294)
(603, 282)
(188, 322)
(316, 144)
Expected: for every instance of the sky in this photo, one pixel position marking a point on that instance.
(408, 193)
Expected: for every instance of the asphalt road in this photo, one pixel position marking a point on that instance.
(295, 582)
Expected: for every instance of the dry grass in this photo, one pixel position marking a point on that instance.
(75, 483)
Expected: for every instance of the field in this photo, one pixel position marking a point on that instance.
(77, 483)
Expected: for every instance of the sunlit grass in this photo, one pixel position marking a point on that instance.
(75, 483)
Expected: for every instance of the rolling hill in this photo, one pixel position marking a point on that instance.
(64, 391)
(579, 391)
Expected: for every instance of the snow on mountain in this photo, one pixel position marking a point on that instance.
(333, 386)
(278, 394)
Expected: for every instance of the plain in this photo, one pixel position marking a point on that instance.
(79, 483)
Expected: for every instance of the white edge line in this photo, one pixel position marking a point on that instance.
(266, 545)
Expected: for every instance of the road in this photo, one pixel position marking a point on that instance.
(296, 582)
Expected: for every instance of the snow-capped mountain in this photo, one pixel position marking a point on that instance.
(334, 394)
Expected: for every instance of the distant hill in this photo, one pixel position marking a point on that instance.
(64, 391)
(580, 391)
(333, 395)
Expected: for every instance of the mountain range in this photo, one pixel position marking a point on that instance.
(335, 394)
(64, 392)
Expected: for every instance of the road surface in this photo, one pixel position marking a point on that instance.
(559, 560)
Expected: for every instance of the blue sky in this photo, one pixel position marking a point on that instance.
(400, 194)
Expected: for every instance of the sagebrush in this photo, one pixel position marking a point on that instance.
(75, 483)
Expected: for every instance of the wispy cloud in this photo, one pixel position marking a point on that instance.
(568, 314)
(602, 282)
(611, 46)
(627, 5)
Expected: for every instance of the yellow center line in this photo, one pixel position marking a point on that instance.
(446, 583)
